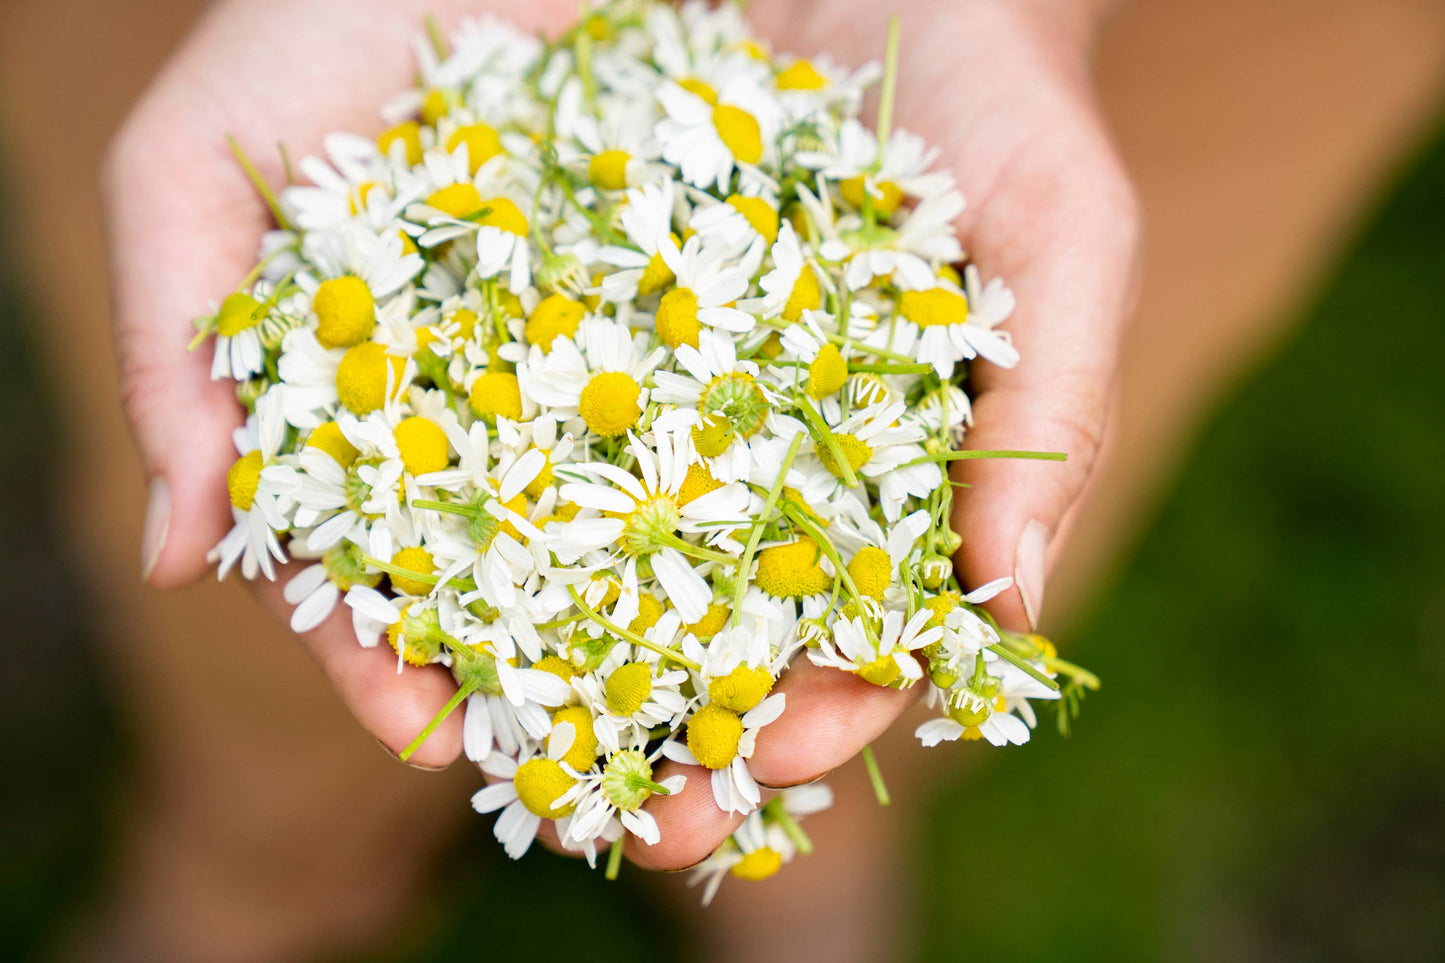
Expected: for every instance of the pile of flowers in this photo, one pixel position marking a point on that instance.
(617, 373)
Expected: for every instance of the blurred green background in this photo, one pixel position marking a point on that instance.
(1260, 778)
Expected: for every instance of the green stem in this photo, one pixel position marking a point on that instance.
(821, 430)
(989, 453)
(458, 697)
(614, 858)
(1020, 662)
(461, 585)
(629, 635)
(916, 368)
(890, 89)
(758, 524)
(262, 188)
(875, 776)
(449, 508)
(790, 827)
(698, 552)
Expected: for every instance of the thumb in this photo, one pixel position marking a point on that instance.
(1074, 293)
(182, 224)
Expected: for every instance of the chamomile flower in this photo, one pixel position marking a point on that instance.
(762, 845)
(707, 281)
(648, 519)
(617, 791)
(631, 693)
(722, 740)
(646, 220)
(258, 508)
(710, 133)
(983, 710)
(529, 790)
(597, 377)
(885, 659)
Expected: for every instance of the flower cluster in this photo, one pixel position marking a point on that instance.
(619, 372)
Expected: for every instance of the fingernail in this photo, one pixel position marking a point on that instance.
(157, 526)
(1029, 570)
(414, 765)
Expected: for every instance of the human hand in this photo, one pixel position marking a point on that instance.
(184, 223)
(1051, 211)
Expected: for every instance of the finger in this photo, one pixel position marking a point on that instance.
(1063, 233)
(176, 249)
(830, 716)
(690, 823)
(394, 707)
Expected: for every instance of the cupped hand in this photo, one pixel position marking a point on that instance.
(184, 224)
(1002, 87)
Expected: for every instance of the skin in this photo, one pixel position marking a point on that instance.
(1050, 210)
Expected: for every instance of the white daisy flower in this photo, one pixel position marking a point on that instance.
(598, 376)
(648, 518)
(258, 508)
(723, 741)
(884, 660)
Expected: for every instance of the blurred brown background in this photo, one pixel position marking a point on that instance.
(1260, 134)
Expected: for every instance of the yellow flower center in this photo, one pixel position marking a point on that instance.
(712, 735)
(407, 133)
(792, 571)
(940, 605)
(801, 75)
(828, 372)
(759, 213)
(562, 669)
(970, 714)
(699, 482)
(413, 559)
(434, 107)
(701, 88)
(555, 317)
(871, 571)
(482, 144)
(855, 452)
(345, 312)
(495, 394)
(608, 170)
(328, 438)
(423, 445)
(614, 588)
(361, 377)
(676, 321)
(853, 190)
(539, 782)
(714, 620)
(649, 610)
(609, 403)
(504, 215)
(456, 200)
(656, 276)
(584, 748)
(807, 295)
(740, 132)
(741, 689)
(466, 320)
(242, 480)
(408, 246)
(936, 306)
(542, 481)
(238, 312)
(759, 864)
(882, 671)
(628, 687)
(360, 194)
